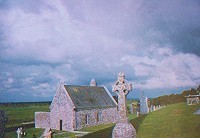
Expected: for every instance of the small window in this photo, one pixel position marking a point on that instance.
(86, 119)
(99, 117)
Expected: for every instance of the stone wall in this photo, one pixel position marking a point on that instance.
(62, 117)
(95, 117)
(42, 119)
(62, 111)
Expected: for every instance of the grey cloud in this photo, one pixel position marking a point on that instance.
(75, 41)
(27, 6)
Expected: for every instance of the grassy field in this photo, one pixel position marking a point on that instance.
(20, 114)
(172, 121)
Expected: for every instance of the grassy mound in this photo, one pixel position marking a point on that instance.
(177, 121)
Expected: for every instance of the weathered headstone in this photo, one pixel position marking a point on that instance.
(123, 129)
(154, 108)
(138, 113)
(144, 109)
(3, 121)
(151, 108)
(131, 108)
(157, 107)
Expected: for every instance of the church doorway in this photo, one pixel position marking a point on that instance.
(60, 124)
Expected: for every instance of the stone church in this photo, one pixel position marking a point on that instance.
(75, 107)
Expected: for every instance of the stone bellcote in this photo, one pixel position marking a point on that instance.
(93, 83)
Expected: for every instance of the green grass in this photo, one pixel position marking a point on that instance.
(173, 121)
(29, 133)
(132, 116)
(18, 115)
(26, 113)
(102, 131)
(62, 134)
(38, 132)
(97, 128)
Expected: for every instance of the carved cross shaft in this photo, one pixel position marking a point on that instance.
(122, 88)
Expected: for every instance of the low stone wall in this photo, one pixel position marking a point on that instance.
(42, 119)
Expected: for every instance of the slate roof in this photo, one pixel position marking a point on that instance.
(89, 97)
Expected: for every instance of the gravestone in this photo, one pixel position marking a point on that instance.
(3, 121)
(138, 113)
(132, 108)
(151, 108)
(123, 129)
(144, 109)
(154, 108)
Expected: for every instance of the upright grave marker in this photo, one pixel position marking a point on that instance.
(144, 109)
(154, 108)
(123, 129)
(132, 108)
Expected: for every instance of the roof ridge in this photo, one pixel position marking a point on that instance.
(83, 85)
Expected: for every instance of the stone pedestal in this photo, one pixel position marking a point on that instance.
(124, 130)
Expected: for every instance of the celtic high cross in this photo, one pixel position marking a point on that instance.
(122, 88)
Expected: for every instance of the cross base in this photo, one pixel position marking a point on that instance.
(124, 130)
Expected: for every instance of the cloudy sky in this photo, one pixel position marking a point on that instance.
(43, 43)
